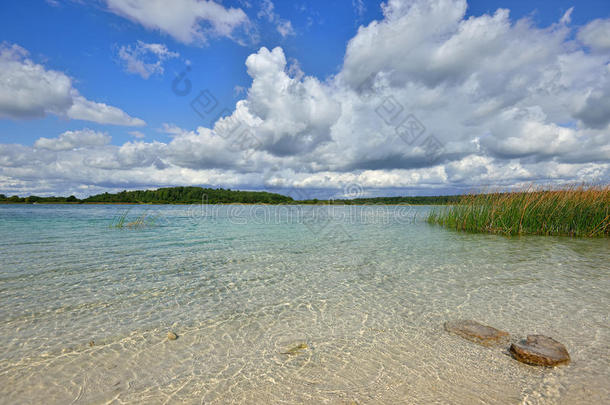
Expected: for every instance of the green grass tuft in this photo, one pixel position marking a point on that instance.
(572, 211)
(142, 221)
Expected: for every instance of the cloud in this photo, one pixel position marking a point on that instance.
(137, 134)
(426, 101)
(288, 115)
(145, 59)
(73, 139)
(596, 35)
(283, 26)
(595, 111)
(83, 109)
(29, 90)
(359, 7)
(567, 16)
(190, 21)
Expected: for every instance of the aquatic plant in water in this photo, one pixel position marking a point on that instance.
(142, 221)
(573, 211)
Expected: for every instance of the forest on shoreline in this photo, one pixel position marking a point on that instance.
(199, 195)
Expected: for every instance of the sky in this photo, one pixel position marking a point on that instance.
(313, 99)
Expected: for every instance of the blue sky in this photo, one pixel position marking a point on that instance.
(90, 43)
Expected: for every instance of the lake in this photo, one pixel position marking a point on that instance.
(289, 304)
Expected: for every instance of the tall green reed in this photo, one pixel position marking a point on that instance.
(573, 211)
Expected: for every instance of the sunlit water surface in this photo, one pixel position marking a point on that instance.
(366, 290)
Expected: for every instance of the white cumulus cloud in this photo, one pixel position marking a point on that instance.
(187, 21)
(29, 90)
(85, 138)
(596, 35)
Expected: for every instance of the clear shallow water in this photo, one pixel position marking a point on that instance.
(367, 290)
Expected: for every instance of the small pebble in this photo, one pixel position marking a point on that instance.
(91, 343)
(172, 336)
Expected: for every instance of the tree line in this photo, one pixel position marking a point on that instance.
(199, 195)
(190, 195)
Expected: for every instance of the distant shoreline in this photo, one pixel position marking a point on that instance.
(200, 195)
(232, 203)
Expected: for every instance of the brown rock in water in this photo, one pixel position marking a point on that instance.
(172, 336)
(477, 332)
(91, 343)
(540, 350)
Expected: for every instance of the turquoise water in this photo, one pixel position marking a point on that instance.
(366, 289)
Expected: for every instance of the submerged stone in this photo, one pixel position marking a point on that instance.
(172, 336)
(477, 332)
(540, 350)
(91, 343)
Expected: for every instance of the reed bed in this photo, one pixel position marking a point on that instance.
(573, 211)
